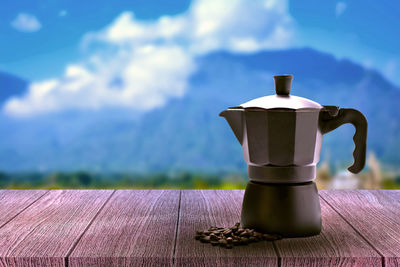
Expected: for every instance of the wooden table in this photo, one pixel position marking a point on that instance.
(156, 227)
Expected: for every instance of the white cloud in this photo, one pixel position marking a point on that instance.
(62, 13)
(235, 25)
(340, 8)
(26, 23)
(142, 79)
(141, 64)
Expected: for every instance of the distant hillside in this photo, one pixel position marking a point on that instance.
(188, 133)
(11, 85)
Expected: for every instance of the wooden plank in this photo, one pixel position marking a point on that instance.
(12, 202)
(375, 215)
(44, 234)
(136, 227)
(201, 209)
(337, 245)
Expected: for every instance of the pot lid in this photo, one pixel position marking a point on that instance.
(282, 99)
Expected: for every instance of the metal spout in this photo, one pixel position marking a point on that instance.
(235, 119)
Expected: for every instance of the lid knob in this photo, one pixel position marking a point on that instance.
(282, 84)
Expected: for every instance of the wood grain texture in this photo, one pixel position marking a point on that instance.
(135, 228)
(44, 233)
(12, 202)
(201, 209)
(139, 227)
(374, 214)
(337, 245)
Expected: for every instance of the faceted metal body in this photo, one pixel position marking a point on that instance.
(281, 137)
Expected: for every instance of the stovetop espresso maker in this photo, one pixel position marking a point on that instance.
(281, 137)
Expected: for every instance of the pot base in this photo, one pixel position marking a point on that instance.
(291, 210)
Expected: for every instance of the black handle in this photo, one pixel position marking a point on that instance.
(332, 117)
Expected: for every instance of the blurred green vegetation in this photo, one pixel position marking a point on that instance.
(88, 180)
(391, 183)
(160, 180)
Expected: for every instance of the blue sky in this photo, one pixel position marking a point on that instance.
(367, 32)
(44, 53)
(53, 42)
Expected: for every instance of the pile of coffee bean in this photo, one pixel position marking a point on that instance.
(232, 236)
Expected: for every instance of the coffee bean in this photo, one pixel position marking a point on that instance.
(223, 241)
(232, 236)
(244, 241)
(213, 237)
(227, 232)
(205, 239)
(234, 228)
(243, 233)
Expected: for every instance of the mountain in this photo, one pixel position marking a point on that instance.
(11, 85)
(188, 134)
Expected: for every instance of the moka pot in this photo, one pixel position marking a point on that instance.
(281, 137)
